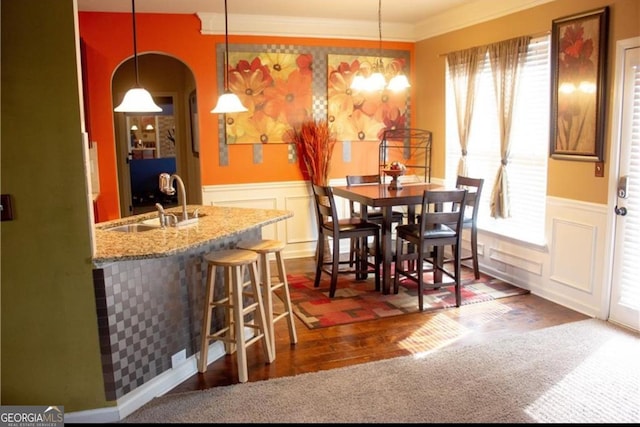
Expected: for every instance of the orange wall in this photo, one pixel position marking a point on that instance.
(179, 36)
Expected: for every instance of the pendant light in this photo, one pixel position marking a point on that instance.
(228, 101)
(376, 81)
(137, 99)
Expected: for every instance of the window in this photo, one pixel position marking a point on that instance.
(527, 169)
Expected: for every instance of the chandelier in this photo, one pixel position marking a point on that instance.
(376, 81)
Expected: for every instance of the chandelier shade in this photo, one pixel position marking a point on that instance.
(137, 99)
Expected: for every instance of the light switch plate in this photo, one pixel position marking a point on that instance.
(599, 169)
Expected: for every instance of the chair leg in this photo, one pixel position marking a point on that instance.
(397, 267)
(456, 269)
(362, 264)
(474, 253)
(353, 247)
(377, 262)
(335, 265)
(420, 272)
(319, 259)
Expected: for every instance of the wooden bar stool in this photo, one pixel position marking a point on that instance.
(263, 248)
(232, 333)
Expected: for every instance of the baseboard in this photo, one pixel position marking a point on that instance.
(142, 395)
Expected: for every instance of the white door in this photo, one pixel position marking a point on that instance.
(624, 303)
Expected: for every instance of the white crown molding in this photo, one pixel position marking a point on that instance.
(287, 26)
(471, 14)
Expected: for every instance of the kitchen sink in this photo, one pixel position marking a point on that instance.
(153, 222)
(134, 228)
(156, 221)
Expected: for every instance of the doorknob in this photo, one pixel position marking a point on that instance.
(620, 211)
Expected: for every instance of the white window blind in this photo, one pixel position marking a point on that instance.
(527, 168)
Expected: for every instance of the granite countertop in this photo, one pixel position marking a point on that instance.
(214, 222)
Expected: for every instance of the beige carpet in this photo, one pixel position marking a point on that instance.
(580, 372)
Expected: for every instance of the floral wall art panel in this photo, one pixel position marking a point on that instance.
(578, 60)
(361, 115)
(277, 90)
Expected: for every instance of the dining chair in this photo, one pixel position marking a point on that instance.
(373, 214)
(420, 246)
(470, 217)
(331, 226)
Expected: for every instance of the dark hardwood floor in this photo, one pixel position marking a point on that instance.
(339, 346)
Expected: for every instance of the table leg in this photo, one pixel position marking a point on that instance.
(387, 250)
(361, 245)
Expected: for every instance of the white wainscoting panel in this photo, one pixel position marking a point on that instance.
(574, 247)
(299, 232)
(577, 235)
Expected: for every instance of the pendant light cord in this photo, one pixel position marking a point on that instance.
(135, 46)
(380, 29)
(226, 50)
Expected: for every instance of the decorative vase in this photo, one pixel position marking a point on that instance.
(394, 174)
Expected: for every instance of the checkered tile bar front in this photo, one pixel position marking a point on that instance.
(150, 309)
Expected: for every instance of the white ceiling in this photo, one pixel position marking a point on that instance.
(408, 20)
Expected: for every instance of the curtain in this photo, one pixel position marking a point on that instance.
(463, 66)
(506, 59)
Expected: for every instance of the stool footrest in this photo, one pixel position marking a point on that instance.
(278, 316)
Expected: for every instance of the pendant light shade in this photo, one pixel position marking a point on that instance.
(137, 99)
(376, 80)
(228, 101)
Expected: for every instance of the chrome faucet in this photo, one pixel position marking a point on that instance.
(162, 216)
(166, 186)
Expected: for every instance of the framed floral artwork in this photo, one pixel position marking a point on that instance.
(361, 115)
(276, 88)
(578, 64)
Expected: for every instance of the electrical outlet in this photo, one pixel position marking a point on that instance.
(178, 358)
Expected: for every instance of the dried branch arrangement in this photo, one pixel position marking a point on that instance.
(314, 141)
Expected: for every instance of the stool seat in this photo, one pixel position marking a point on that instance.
(262, 246)
(265, 247)
(230, 257)
(237, 304)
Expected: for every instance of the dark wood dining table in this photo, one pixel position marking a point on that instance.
(380, 196)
